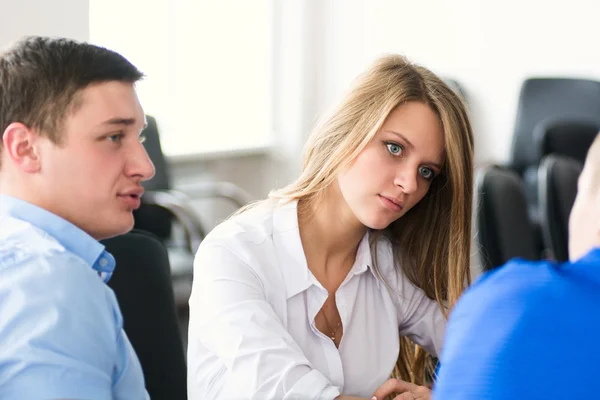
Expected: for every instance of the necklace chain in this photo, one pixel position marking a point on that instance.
(333, 331)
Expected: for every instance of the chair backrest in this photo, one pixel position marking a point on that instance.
(161, 179)
(503, 227)
(149, 217)
(558, 177)
(550, 98)
(142, 284)
(565, 137)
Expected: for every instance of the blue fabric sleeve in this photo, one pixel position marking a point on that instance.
(57, 330)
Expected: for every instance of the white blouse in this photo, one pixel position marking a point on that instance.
(252, 332)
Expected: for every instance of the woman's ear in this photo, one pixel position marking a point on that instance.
(21, 147)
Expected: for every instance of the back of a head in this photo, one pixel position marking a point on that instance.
(592, 164)
(40, 78)
(589, 182)
(584, 221)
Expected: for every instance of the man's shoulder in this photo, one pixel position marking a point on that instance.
(33, 261)
(512, 298)
(57, 318)
(522, 294)
(509, 325)
(512, 331)
(20, 241)
(518, 279)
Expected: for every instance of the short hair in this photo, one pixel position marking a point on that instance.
(41, 77)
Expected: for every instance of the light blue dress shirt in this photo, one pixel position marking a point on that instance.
(61, 330)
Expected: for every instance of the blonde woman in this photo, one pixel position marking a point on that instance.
(327, 288)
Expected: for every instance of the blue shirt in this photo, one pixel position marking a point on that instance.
(61, 330)
(529, 330)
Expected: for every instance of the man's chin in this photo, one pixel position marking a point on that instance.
(117, 230)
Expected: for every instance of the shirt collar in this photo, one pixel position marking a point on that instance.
(68, 235)
(364, 259)
(288, 247)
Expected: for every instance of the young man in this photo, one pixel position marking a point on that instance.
(71, 167)
(529, 330)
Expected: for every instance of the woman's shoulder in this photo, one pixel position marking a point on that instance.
(249, 227)
(244, 243)
(386, 255)
(249, 234)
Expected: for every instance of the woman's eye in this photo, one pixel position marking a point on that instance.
(426, 173)
(394, 149)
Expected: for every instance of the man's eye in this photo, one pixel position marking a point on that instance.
(116, 138)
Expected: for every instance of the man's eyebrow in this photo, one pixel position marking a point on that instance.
(119, 121)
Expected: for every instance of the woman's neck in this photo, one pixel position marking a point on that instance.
(330, 234)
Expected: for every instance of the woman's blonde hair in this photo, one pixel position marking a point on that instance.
(431, 241)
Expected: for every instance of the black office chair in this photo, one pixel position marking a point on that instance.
(163, 207)
(543, 102)
(142, 285)
(558, 177)
(569, 138)
(503, 227)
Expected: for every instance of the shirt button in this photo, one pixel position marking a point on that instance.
(103, 262)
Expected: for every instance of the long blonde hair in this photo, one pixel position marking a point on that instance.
(432, 241)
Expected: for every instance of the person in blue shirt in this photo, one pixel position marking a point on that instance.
(71, 167)
(529, 330)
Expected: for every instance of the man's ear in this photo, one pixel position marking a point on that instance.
(21, 146)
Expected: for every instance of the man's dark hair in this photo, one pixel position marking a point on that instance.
(40, 78)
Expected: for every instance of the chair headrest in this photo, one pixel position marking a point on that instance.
(566, 137)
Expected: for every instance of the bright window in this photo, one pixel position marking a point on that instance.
(208, 66)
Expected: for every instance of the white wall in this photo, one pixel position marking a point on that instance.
(67, 18)
(490, 47)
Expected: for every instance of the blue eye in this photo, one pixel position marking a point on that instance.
(426, 173)
(116, 138)
(394, 149)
